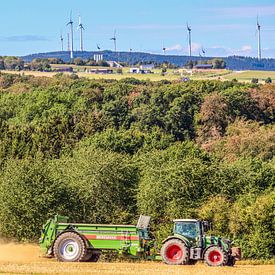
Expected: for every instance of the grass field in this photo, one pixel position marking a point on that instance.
(248, 75)
(25, 259)
(242, 76)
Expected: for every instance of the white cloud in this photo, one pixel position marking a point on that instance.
(176, 47)
(179, 49)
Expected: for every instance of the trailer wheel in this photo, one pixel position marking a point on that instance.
(215, 256)
(70, 247)
(175, 252)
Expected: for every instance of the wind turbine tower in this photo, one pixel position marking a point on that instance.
(68, 37)
(259, 40)
(61, 40)
(72, 36)
(189, 39)
(81, 28)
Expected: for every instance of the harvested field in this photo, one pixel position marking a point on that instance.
(25, 259)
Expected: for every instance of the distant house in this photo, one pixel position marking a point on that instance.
(204, 66)
(100, 71)
(63, 69)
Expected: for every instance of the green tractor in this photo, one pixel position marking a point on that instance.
(189, 244)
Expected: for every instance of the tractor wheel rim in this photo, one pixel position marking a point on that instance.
(69, 249)
(174, 253)
(215, 257)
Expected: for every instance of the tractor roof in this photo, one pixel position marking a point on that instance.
(185, 220)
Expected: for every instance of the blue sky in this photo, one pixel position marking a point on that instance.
(221, 27)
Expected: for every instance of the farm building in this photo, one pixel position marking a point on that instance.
(139, 71)
(204, 66)
(63, 69)
(100, 71)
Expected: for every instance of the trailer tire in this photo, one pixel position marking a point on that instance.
(175, 252)
(70, 247)
(215, 256)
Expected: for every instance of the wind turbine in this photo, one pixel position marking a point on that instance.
(189, 38)
(114, 38)
(80, 28)
(164, 50)
(130, 56)
(72, 36)
(61, 40)
(203, 51)
(259, 40)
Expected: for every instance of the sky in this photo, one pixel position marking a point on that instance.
(221, 27)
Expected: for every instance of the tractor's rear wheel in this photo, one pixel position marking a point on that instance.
(215, 256)
(70, 247)
(175, 252)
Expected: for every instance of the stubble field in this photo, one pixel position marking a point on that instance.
(26, 259)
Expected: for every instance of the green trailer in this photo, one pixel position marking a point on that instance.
(75, 242)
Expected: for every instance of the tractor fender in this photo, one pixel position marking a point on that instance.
(176, 238)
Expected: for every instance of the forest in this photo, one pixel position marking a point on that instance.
(106, 151)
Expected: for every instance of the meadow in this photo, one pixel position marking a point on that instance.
(171, 75)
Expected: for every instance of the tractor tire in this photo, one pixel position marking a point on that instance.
(70, 247)
(175, 252)
(215, 256)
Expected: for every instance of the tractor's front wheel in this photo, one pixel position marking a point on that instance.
(70, 247)
(215, 256)
(175, 252)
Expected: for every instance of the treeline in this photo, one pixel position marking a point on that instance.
(106, 151)
(232, 62)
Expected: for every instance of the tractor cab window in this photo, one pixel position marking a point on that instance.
(187, 229)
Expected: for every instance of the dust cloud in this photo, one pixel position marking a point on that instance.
(14, 252)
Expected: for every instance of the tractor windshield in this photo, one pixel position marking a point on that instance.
(187, 229)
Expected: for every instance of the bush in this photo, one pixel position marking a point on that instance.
(104, 184)
(29, 195)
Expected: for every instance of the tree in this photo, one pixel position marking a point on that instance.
(29, 195)
(42, 65)
(13, 63)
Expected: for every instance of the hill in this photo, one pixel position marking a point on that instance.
(233, 62)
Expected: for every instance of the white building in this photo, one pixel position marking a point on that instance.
(98, 57)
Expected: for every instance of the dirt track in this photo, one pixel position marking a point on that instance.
(25, 259)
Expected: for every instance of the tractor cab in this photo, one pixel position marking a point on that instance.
(191, 229)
